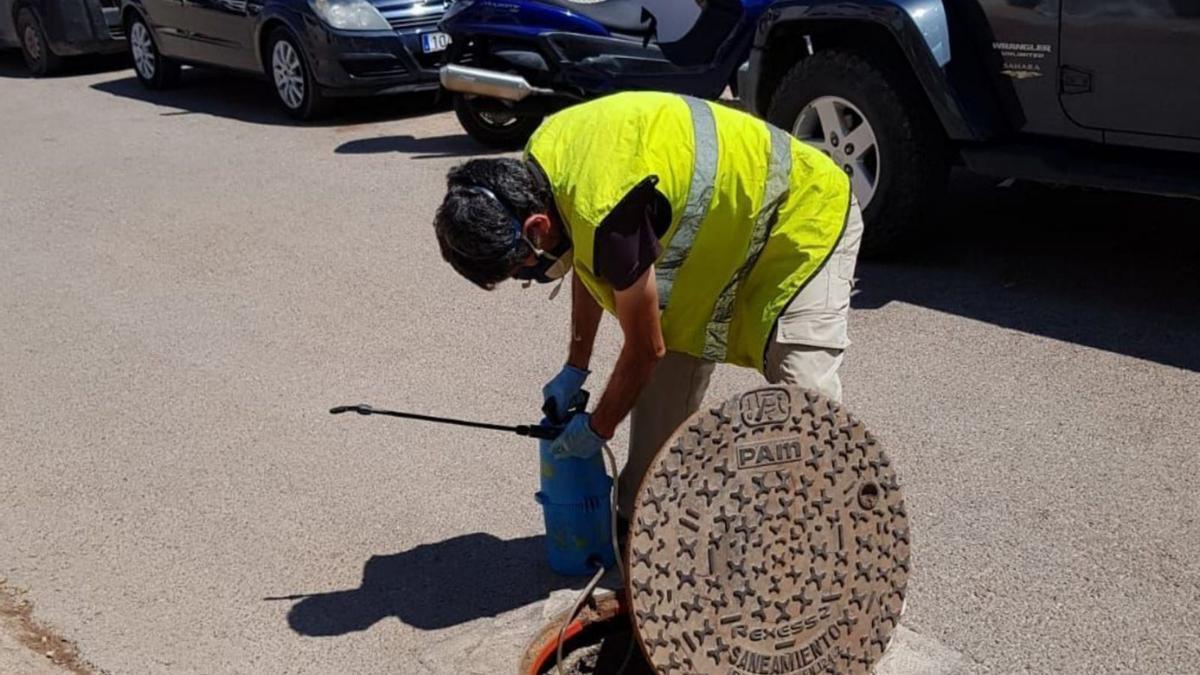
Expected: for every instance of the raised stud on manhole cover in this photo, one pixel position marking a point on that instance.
(769, 536)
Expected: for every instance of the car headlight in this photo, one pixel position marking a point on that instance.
(350, 14)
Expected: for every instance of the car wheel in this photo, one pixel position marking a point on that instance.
(295, 87)
(865, 118)
(494, 129)
(40, 59)
(154, 70)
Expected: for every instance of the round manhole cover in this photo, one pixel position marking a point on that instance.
(769, 536)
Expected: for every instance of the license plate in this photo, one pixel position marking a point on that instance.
(434, 42)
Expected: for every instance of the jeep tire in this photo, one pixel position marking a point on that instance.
(910, 169)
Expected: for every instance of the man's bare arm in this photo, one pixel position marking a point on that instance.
(585, 319)
(637, 311)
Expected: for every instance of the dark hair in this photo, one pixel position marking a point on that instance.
(474, 231)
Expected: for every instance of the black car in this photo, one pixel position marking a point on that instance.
(311, 50)
(1076, 92)
(48, 31)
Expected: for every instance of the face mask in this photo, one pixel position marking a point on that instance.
(550, 266)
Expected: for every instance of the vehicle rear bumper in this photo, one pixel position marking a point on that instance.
(75, 27)
(365, 63)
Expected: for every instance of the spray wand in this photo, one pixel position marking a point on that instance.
(543, 431)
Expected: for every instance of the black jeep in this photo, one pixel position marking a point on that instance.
(1100, 94)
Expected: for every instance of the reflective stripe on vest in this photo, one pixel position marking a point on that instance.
(704, 176)
(704, 173)
(775, 191)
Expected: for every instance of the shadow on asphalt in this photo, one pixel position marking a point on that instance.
(247, 98)
(12, 65)
(420, 148)
(1106, 270)
(434, 586)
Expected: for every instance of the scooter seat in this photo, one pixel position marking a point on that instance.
(620, 16)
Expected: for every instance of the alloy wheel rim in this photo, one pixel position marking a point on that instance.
(143, 50)
(839, 129)
(498, 120)
(289, 74)
(33, 43)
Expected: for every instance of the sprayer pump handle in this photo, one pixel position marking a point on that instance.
(578, 404)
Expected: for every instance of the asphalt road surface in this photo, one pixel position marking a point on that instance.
(187, 283)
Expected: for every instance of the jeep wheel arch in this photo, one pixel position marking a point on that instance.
(789, 30)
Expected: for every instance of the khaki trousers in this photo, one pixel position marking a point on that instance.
(805, 350)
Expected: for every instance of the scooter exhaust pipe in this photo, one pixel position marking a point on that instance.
(491, 83)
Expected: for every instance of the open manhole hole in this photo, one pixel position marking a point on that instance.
(599, 642)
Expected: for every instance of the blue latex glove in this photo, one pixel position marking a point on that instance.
(563, 389)
(577, 439)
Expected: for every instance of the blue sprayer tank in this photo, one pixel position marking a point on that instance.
(575, 497)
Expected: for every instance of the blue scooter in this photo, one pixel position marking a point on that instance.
(511, 62)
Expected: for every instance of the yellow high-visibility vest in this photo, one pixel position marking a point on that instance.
(754, 212)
